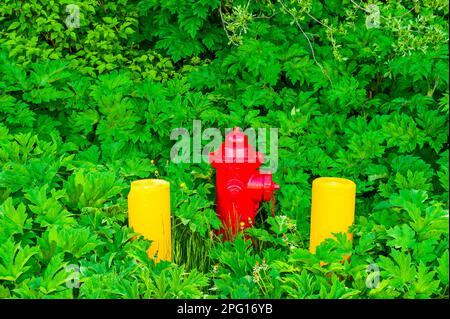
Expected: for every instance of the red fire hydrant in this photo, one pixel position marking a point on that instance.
(240, 186)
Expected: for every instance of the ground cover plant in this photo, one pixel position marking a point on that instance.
(86, 110)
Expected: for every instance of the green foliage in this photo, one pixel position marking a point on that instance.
(105, 40)
(13, 260)
(85, 111)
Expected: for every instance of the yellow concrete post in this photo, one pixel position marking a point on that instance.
(332, 208)
(149, 215)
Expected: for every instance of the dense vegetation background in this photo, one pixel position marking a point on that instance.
(86, 110)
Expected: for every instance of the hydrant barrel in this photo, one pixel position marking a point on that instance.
(240, 186)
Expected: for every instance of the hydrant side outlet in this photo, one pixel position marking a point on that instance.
(240, 185)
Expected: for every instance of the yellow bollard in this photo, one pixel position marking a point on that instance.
(149, 215)
(332, 209)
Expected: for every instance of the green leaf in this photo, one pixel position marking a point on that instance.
(13, 259)
(4, 293)
(91, 189)
(424, 286)
(403, 237)
(55, 275)
(48, 210)
(424, 251)
(443, 268)
(399, 269)
(12, 220)
(76, 241)
(337, 290)
(402, 131)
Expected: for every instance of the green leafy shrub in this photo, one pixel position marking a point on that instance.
(86, 111)
(106, 39)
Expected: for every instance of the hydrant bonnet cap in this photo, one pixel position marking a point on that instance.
(236, 149)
